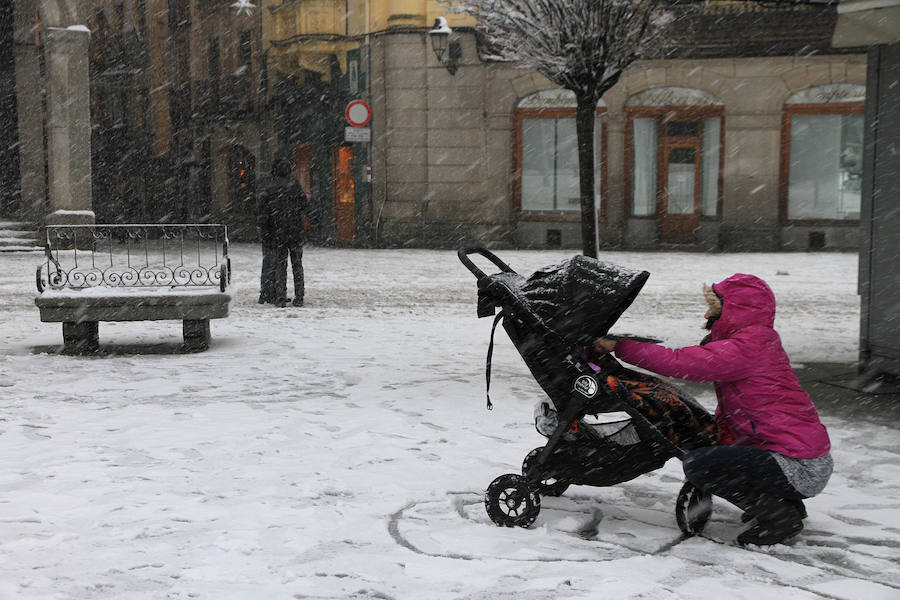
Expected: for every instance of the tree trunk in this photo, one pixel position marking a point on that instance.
(584, 128)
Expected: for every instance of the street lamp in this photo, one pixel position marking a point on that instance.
(241, 6)
(440, 43)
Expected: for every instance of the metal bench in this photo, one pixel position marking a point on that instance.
(94, 273)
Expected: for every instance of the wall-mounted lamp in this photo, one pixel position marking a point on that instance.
(441, 44)
(241, 6)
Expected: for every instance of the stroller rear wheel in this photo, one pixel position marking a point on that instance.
(546, 486)
(692, 509)
(511, 502)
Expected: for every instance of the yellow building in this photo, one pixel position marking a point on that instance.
(319, 59)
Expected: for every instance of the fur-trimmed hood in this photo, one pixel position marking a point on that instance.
(761, 401)
(746, 300)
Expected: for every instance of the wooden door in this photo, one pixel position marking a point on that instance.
(679, 182)
(344, 194)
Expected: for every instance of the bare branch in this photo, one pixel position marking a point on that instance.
(581, 45)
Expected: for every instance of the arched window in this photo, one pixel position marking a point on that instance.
(821, 154)
(546, 158)
(673, 159)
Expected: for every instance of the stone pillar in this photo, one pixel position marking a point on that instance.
(30, 116)
(68, 125)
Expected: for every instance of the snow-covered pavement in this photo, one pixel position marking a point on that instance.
(340, 450)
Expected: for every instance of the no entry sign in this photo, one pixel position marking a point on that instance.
(358, 113)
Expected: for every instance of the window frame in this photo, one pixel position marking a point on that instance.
(555, 215)
(818, 108)
(664, 114)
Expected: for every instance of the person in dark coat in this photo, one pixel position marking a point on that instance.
(290, 214)
(265, 227)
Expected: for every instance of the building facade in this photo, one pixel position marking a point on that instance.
(175, 107)
(746, 136)
(725, 146)
(132, 111)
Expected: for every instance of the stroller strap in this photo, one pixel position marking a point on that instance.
(487, 364)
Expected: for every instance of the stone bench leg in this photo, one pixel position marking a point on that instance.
(196, 334)
(81, 337)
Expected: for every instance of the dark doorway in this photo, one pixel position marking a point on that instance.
(344, 194)
(241, 209)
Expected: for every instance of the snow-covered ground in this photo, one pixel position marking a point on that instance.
(340, 450)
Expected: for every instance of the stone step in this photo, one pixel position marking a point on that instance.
(5, 249)
(16, 236)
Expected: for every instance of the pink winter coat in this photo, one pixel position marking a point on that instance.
(761, 403)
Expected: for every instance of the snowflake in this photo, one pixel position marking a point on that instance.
(243, 5)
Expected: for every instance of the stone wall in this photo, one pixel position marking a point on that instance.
(444, 146)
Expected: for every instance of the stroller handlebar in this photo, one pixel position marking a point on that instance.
(463, 254)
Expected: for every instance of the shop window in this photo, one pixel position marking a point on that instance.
(821, 168)
(712, 151)
(826, 167)
(547, 150)
(244, 51)
(644, 171)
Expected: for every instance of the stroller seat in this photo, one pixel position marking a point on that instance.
(670, 410)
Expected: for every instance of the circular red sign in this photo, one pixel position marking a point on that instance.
(358, 113)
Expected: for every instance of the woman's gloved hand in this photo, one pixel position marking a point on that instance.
(604, 345)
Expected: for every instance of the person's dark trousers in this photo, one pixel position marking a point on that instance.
(296, 256)
(749, 478)
(267, 276)
(296, 253)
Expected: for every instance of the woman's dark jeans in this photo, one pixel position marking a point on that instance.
(744, 476)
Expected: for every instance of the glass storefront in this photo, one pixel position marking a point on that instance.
(824, 133)
(550, 164)
(548, 155)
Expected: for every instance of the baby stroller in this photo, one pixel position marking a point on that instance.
(551, 317)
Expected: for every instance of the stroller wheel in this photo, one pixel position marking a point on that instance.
(547, 486)
(510, 502)
(692, 509)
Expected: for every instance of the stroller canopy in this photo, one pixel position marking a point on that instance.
(580, 298)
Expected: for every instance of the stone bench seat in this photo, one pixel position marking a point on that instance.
(82, 296)
(80, 312)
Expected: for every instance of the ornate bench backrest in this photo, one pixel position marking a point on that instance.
(182, 255)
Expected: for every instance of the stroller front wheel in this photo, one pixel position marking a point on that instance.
(692, 509)
(547, 486)
(511, 502)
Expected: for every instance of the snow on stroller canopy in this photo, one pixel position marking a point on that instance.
(582, 297)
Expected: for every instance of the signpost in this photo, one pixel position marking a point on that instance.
(358, 116)
(357, 134)
(358, 113)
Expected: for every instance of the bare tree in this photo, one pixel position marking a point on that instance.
(580, 45)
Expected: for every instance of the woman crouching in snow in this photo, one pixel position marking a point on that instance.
(773, 451)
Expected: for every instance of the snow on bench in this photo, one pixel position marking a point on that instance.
(94, 273)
